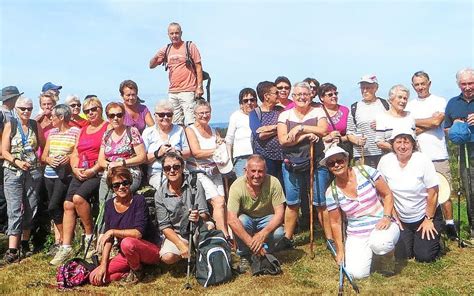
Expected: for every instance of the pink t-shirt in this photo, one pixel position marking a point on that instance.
(339, 120)
(123, 148)
(88, 145)
(182, 77)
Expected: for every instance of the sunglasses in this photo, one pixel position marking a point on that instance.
(163, 114)
(93, 109)
(334, 94)
(331, 164)
(23, 109)
(175, 167)
(251, 100)
(283, 87)
(75, 105)
(124, 183)
(201, 114)
(113, 115)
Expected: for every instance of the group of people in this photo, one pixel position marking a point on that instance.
(375, 186)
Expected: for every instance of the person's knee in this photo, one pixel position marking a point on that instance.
(78, 200)
(426, 255)
(170, 258)
(358, 272)
(68, 206)
(127, 245)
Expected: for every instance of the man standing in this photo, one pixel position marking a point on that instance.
(255, 210)
(9, 96)
(53, 89)
(461, 108)
(185, 74)
(428, 112)
(361, 122)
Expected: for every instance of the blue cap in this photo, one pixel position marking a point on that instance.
(459, 133)
(50, 86)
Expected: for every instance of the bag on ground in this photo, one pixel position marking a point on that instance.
(74, 272)
(266, 264)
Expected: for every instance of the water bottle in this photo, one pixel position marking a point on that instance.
(84, 162)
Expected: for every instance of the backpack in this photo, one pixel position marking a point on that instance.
(74, 272)
(32, 123)
(384, 102)
(108, 134)
(189, 59)
(362, 171)
(213, 257)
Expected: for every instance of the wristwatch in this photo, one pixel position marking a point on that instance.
(301, 128)
(428, 217)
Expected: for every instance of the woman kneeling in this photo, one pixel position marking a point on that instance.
(126, 219)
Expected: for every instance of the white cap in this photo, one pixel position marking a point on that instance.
(332, 151)
(222, 159)
(402, 131)
(371, 78)
(382, 242)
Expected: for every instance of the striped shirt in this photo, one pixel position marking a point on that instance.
(60, 143)
(363, 212)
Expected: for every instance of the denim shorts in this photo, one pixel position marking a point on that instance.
(319, 199)
(296, 185)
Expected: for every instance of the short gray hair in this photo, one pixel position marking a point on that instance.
(163, 104)
(201, 103)
(72, 98)
(64, 111)
(395, 88)
(302, 84)
(464, 71)
(23, 101)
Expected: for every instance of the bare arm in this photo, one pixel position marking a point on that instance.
(238, 229)
(149, 119)
(140, 155)
(431, 122)
(199, 89)
(195, 147)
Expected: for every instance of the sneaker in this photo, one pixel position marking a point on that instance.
(244, 264)
(25, 250)
(62, 255)
(451, 232)
(53, 250)
(134, 276)
(11, 256)
(283, 244)
(92, 251)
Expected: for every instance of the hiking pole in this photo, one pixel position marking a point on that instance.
(310, 198)
(187, 285)
(341, 280)
(344, 270)
(467, 190)
(362, 153)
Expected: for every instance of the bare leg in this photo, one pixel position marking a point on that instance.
(219, 215)
(13, 241)
(291, 217)
(447, 208)
(69, 222)
(57, 233)
(83, 209)
(323, 218)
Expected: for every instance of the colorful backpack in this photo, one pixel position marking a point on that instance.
(74, 272)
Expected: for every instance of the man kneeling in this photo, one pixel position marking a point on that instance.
(255, 211)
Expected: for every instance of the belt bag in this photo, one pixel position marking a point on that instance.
(297, 164)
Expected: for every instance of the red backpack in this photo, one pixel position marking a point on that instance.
(74, 272)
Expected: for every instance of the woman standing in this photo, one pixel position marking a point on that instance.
(136, 114)
(203, 142)
(76, 119)
(412, 178)
(20, 142)
(162, 138)
(86, 175)
(357, 193)
(238, 137)
(298, 129)
(126, 219)
(57, 173)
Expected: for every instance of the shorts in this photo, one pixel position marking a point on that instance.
(87, 189)
(169, 247)
(319, 195)
(296, 186)
(212, 185)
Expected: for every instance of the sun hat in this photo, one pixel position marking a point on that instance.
(402, 131)
(459, 133)
(50, 86)
(370, 78)
(332, 151)
(382, 242)
(222, 159)
(10, 92)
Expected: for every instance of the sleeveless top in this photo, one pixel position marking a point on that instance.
(23, 149)
(204, 143)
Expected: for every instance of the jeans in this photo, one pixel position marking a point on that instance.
(274, 169)
(3, 204)
(239, 165)
(21, 193)
(254, 225)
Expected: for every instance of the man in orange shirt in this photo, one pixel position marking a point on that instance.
(185, 74)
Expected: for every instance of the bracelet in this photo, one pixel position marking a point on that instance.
(387, 216)
(124, 163)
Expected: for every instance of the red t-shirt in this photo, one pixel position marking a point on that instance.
(88, 145)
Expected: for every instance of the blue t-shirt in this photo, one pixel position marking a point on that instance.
(458, 108)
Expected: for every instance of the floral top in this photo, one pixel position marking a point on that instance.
(123, 147)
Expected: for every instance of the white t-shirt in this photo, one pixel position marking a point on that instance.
(432, 142)
(239, 134)
(385, 123)
(409, 184)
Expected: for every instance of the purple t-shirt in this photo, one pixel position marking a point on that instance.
(135, 217)
(140, 123)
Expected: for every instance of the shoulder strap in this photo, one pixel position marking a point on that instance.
(108, 133)
(385, 104)
(34, 127)
(334, 192)
(258, 111)
(189, 58)
(329, 118)
(14, 127)
(165, 59)
(129, 133)
(366, 175)
(353, 112)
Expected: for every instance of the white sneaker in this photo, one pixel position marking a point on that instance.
(62, 255)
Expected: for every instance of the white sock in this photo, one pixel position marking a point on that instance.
(66, 246)
(88, 236)
(450, 222)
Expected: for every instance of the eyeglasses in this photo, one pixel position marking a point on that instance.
(163, 114)
(251, 100)
(273, 93)
(124, 183)
(301, 95)
(113, 115)
(331, 164)
(75, 105)
(87, 111)
(23, 109)
(175, 167)
(283, 87)
(331, 94)
(201, 114)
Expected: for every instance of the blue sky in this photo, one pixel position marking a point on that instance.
(91, 46)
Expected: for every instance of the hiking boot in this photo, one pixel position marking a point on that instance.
(244, 264)
(283, 244)
(91, 251)
(11, 256)
(62, 255)
(451, 232)
(25, 249)
(53, 250)
(134, 276)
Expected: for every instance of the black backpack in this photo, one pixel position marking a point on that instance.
(213, 257)
(384, 102)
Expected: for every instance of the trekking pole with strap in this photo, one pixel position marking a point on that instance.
(310, 198)
(194, 206)
(344, 270)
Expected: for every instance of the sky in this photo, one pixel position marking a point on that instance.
(89, 47)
